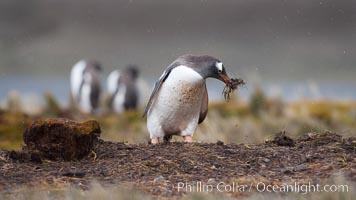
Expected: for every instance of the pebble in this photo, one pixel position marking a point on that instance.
(211, 181)
(159, 179)
(301, 167)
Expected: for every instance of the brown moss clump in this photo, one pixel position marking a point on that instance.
(62, 138)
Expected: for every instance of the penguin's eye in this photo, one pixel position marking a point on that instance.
(219, 66)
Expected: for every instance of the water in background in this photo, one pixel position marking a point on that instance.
(32, 89)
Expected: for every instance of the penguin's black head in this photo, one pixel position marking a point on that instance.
(132, 71)
(217, 70)
(94, 65)
(207, 67)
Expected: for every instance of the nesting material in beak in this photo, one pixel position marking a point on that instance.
(231, 85)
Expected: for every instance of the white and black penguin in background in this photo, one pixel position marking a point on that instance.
(179, 101)
(123, 89)
(85, 82)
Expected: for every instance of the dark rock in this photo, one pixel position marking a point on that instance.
(36, 158)
(281, 139)
(287, 170)
(75, 174)
(62, 138)
(220, 143)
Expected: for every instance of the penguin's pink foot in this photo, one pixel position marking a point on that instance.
(188, 138)
(154, 140)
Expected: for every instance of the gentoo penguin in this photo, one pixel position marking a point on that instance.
(179, 101)
(85, 85)
(122, 89)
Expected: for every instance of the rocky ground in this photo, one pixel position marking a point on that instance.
(157, 169)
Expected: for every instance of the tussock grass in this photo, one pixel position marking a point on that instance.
(234, 121)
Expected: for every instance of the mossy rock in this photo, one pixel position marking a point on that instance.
(61, 138)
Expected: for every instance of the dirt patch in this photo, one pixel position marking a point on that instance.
(157, 169)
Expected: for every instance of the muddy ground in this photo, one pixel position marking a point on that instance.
(157, 169)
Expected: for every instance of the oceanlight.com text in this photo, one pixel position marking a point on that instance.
(259, 187)
(300, 188)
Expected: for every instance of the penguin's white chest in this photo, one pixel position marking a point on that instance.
(119, 99)
(76, 78)
(85, 103)
(176, 108)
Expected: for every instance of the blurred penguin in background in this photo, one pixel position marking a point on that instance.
(123, 89)
(86, 86)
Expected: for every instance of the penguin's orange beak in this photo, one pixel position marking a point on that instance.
(226, 79)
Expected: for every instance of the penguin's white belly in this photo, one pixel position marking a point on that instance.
(85, 103)
(176, 108)
(76, 78)
(119, 99)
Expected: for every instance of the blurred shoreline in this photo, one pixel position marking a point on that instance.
(33, 89)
